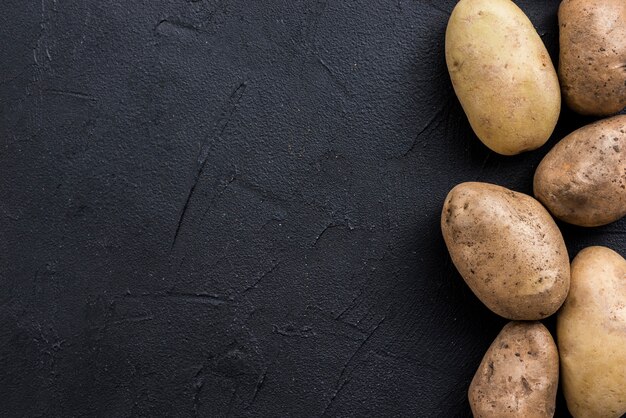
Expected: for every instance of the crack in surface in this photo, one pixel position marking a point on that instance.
(199, 297)
(343, 381)
(176, 25)
(350, 306)
(134, 319)
(332, 75)
(326, 228)
(221, 125)
(256, 283)
(69, 93)
(258, 387)
(432, 119)
(219, 195)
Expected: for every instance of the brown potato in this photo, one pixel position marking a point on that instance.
(507, 248)
(519, 375)
(591, 330)
(582, 180)
(592, 66)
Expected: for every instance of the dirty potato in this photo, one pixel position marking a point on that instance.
(507, 248)
(592, 65)
(519, 375)
(582, 180)
(502, 75)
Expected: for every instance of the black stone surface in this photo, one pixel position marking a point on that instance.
(231, 208)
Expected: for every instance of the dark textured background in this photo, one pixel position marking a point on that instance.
(231, 208)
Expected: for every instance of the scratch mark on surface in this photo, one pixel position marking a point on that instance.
(220, 127)
(201, 297)
(268, 222)
(350, 306)
(169, 25)
(321, 61)
(326, 228)
(387, 354)
(198, 385)
(197, 297)
(42, 30)
(219, 195)
(75, 94)
(358, 350)
(337, 392)
(332, 75)
(258, 387)
(134, 319)
(234, 100)
(327, 314)
(341, 379)
(290, 331)
(353, 326)
(40, 49)
(256, 283)
(185, 207)
(432, 119)
(366, 315)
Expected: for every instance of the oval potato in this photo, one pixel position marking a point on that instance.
(502, 75)
(591, 330)
(518, 376)
(507, 248)
(592, 64)
(582, 180)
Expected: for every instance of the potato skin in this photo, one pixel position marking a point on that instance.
(518, 376)
(502, 75)
(507, 248)
(591, 330)
(592, 64)
(582, 180)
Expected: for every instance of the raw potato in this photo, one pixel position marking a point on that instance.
(502, 75)
(591, 330)
(582, 180)
(518, 376)
(507, 248)
(592, 65)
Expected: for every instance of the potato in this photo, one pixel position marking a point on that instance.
(502, 75)
(582, 180)
(592, 65)
(591, 330)
(518, 376)
(507, 248)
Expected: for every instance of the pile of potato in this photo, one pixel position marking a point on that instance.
(506, 244)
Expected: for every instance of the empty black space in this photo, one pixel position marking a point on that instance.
(231, 208)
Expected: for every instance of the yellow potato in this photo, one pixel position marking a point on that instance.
(582, 180)
(507, 248)
(502, 75)
(518, 376)
(592, 63)
(591, 330)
